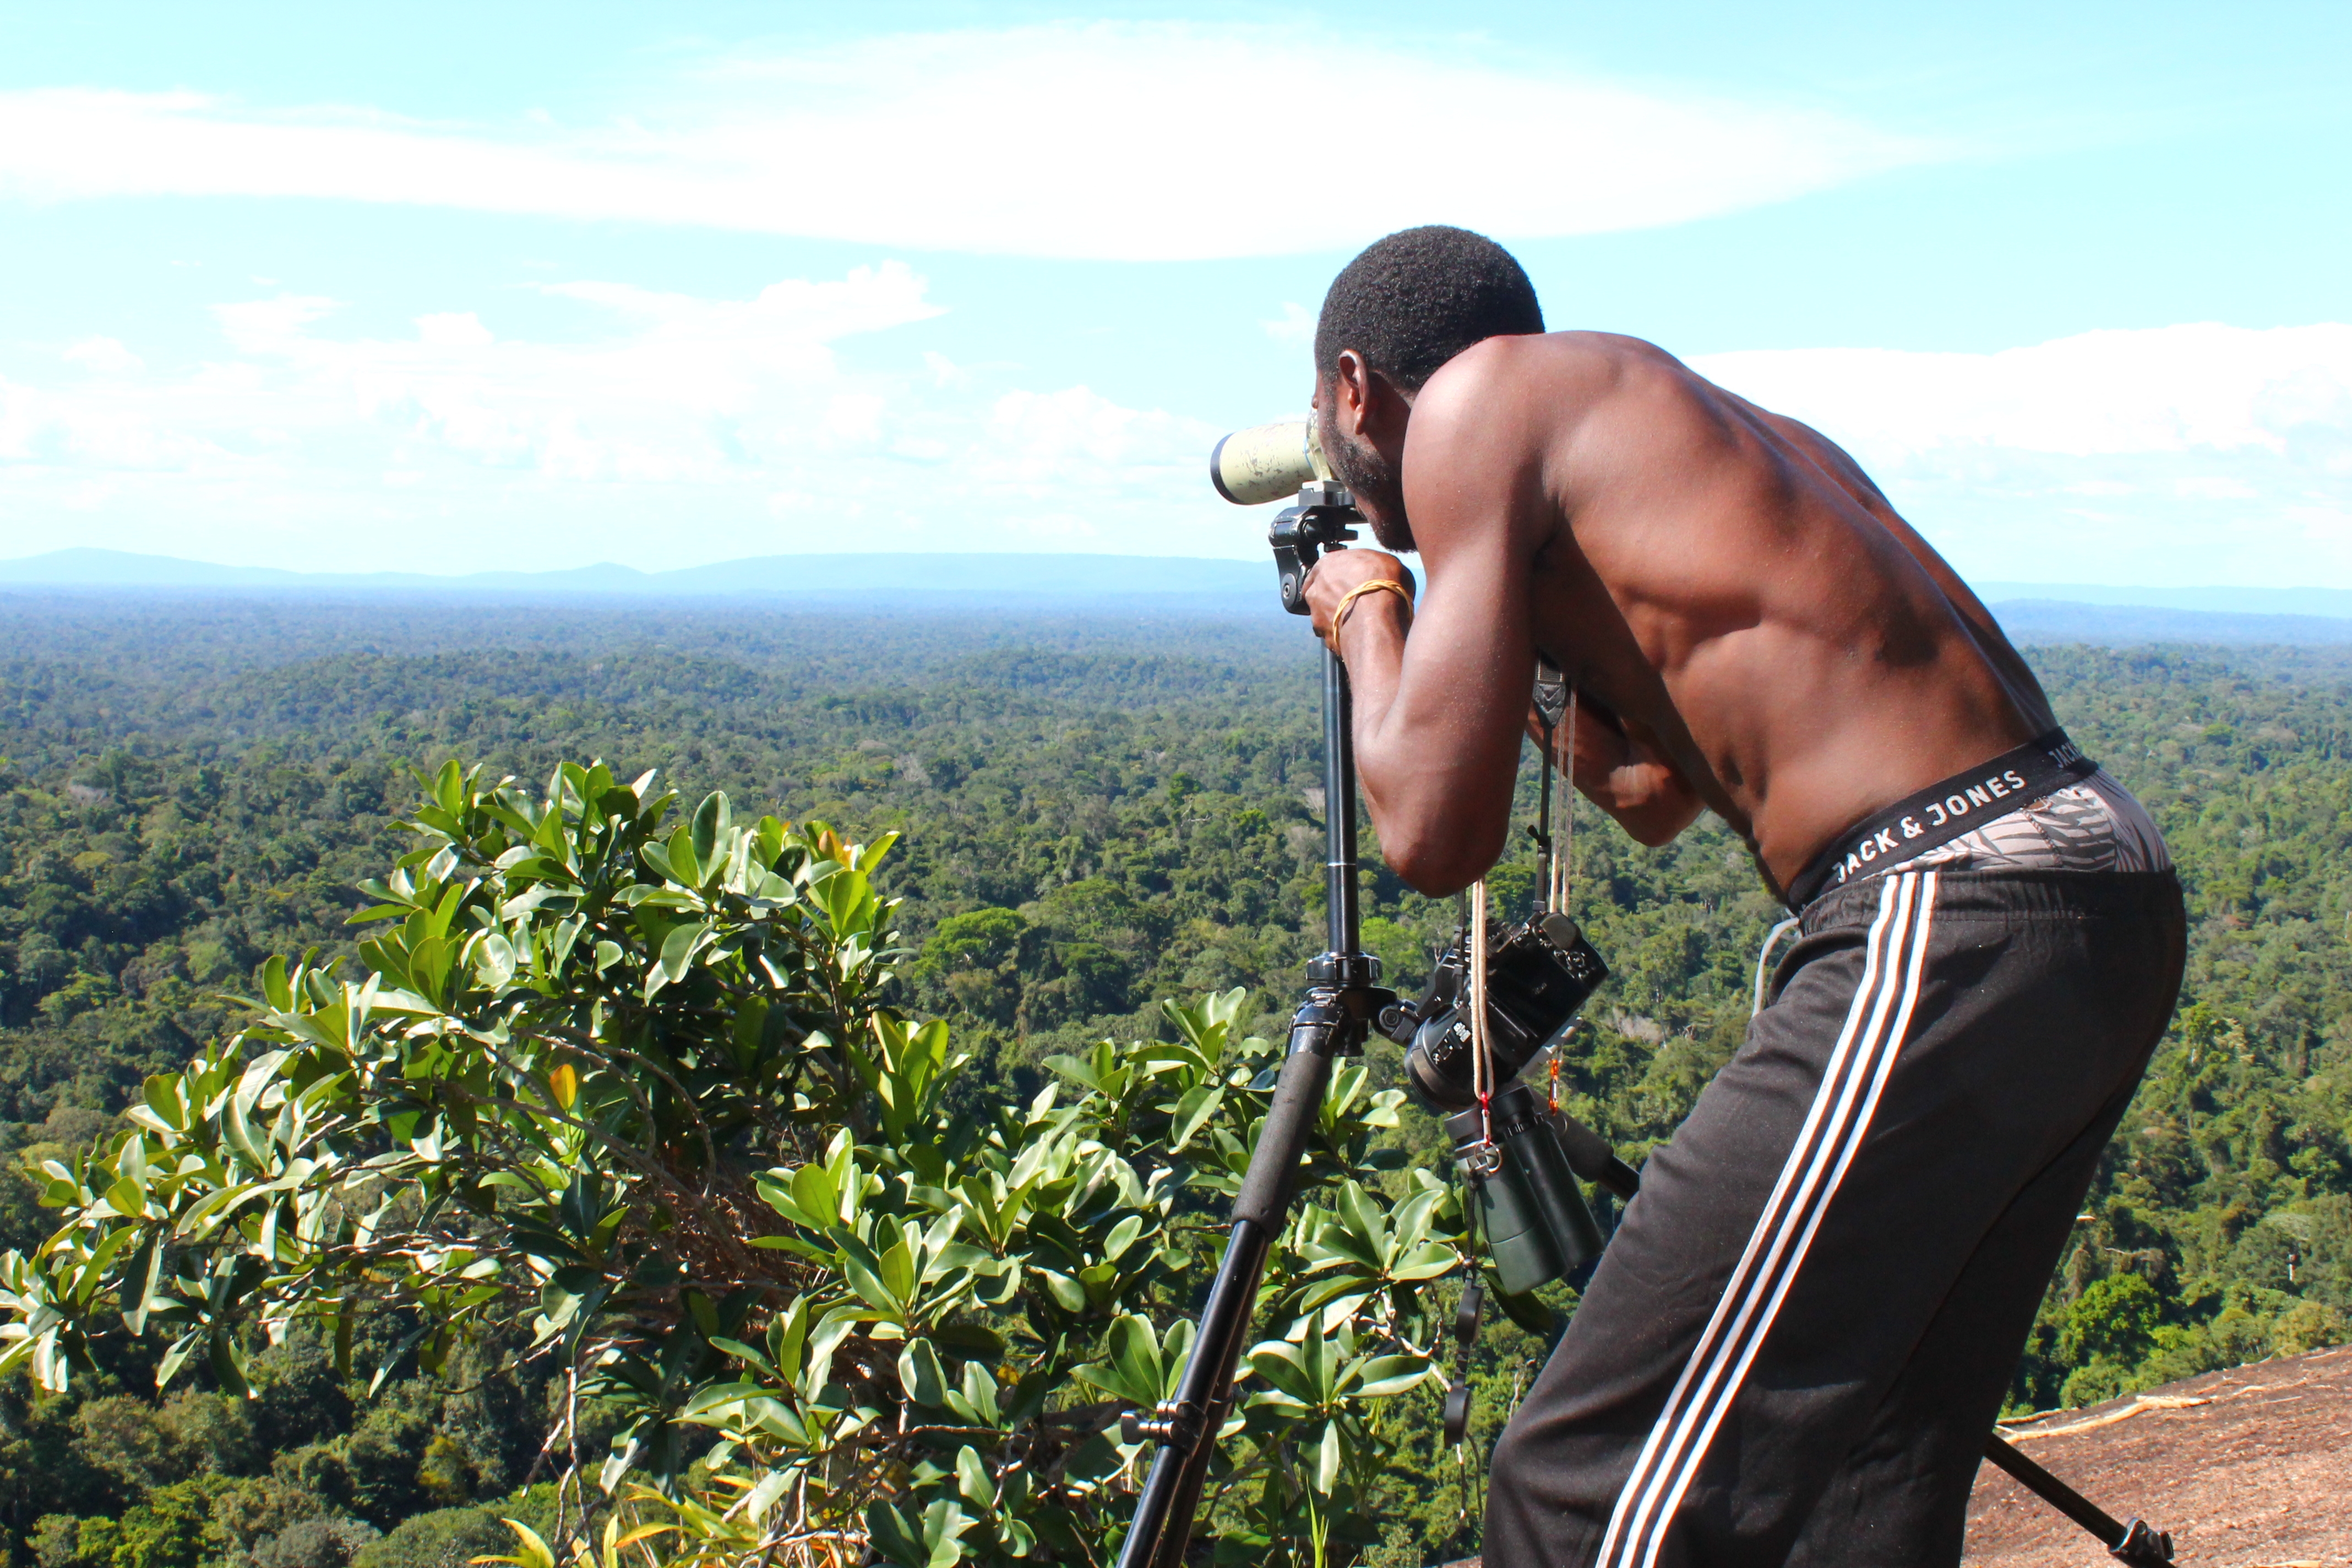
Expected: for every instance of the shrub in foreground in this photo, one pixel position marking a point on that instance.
(628, 1089)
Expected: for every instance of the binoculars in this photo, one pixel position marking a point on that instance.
(1514, 1161)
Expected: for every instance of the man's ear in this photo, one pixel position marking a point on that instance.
(1366, 403)
(1347, 393)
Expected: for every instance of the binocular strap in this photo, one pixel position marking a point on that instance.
(1466, 1338)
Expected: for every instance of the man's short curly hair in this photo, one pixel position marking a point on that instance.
(1414, 300)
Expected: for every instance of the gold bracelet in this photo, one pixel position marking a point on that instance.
(1378, 584)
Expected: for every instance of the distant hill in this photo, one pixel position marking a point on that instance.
(2335, 604)
(2033, 613)
(1041, 576)
(2128, 625)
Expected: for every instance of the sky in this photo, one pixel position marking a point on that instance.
(448, 289)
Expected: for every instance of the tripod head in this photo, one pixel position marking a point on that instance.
(1325, 518)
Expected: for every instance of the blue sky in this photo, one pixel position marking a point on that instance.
(457, 288)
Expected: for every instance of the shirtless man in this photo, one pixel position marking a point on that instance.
(1801, 1333)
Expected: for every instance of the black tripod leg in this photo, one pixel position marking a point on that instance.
(2137, 1542)
(1184, 1507)
(1187, 1428)
(1333, 1021)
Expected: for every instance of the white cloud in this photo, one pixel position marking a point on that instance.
(2170, 389)
(683, 429)
(453, 329)
(1296, 324)
(1163, 141)
(690, 430)
(2173, 455)
(2215, 487)
(105, 356)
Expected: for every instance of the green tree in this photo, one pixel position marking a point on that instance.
(2115, 1321)
(166, 1529)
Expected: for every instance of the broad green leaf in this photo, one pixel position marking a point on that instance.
(920, 1375)
(1068, 1293)
(709, 823)
(1193, 1112)
(864, 1273)
(979, 1391)
(1381, 1376)
(1282, 1367)
(530, 1551)
(972, 1479)
(1122, 1237)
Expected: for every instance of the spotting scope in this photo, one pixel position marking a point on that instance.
(1268, 462)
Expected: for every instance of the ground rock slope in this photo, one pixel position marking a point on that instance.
(2248, 1469)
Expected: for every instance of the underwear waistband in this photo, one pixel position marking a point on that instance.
(1943, 812)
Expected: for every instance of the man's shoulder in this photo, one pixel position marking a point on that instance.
(1545, 361)
(1536, 387)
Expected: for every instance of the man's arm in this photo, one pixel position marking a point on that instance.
(1645, 794)
(1437, 715)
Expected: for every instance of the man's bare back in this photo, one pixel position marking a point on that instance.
(1751, 625)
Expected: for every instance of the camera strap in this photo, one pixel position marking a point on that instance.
(1482, 1046)
(1482, 1161)
(1555, 698)
(1563, 864)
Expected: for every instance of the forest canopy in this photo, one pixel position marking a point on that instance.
(1096, 816)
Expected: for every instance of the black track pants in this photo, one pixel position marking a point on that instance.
(1801, 1333)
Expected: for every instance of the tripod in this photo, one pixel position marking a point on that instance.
(1344, 999)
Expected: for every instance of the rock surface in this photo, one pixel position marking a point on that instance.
(2248, 1469)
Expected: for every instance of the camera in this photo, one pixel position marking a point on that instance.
(1539, 974)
